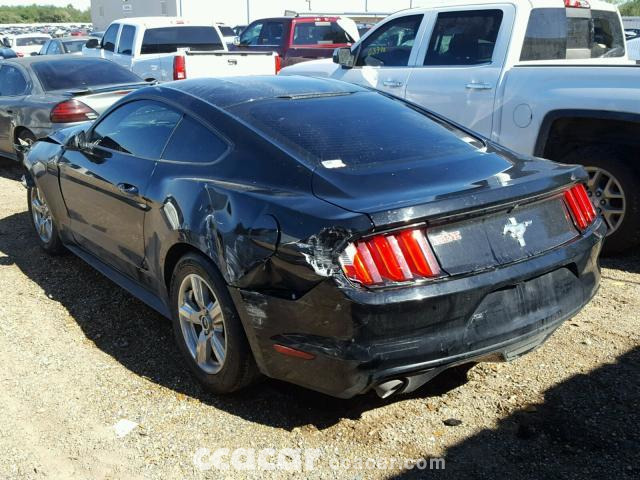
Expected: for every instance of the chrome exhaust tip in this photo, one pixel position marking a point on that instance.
(386, 389)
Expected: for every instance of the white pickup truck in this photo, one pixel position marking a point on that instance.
(169, 48)
(548, 78)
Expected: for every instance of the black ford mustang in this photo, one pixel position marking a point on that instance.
(318, 232)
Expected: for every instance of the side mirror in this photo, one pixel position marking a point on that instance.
(78, 141)
(34, 54)
(236, 41)
(92, 43)
(344, 57)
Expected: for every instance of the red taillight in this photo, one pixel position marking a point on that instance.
(580, 206)
(71, 111)
(576, 4)
(390, 258)
(179, 68)
(278, 60)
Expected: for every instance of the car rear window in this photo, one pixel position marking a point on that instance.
(319, 33)
(227, 31)
(76, 73)
(30, 41)
(170, 39)
(354, 129)
(74, 46)
(572, 33)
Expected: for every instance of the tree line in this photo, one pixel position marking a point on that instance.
(43, 14)
(630, 9)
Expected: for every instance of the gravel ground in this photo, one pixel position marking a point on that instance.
(78, 355)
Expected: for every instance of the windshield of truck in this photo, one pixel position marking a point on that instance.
(320, 33)
(170, 39)
(30, 41)
(572, 33)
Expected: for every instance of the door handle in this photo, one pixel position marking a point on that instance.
(479, 86)
(128, 189)
(392, 83)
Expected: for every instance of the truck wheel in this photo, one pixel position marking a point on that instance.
(613, 190)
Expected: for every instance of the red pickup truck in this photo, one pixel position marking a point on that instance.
(297, 39)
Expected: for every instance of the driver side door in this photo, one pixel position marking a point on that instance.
(385, 57)
(104, 183)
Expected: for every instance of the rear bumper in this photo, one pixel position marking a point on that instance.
(362, 339)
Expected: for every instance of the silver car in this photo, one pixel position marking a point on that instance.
(39, 95)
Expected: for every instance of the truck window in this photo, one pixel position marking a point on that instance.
(320, 33)
(170, 39)
(30, 41)
(561, 33)
(271, 34)
(251, 35)
(464, 38)
(125, 46)
(109, 39)
(391, 44)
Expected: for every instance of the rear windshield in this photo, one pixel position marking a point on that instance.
(354, 129)
(320, 33)
(170, 39)
(30, 41)
(572, 33)
(74, 46)
(72, 75)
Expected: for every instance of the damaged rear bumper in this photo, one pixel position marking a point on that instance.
(397, 339)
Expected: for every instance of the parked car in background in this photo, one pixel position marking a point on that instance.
(27, 43)
(540, 77)
(633, 48)
(631, 33)
(298, 39)
(39, 95)
(318, 232)
(167, 48)
(238, 29)
(7, 53)
(96, 34)
(64, 46)
(228, 34)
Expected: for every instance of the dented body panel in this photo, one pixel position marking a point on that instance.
(274, 223)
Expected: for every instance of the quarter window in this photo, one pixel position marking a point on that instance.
(109, 39)
(12, 82)
(125, 46)
(192, 142)
(391, 44)
(464, 38)
(139, 128)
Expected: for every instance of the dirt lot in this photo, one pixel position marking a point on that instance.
(78, 355)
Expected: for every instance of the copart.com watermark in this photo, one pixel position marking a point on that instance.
(301, 460)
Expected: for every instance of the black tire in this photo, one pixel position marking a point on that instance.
(614, 161)
(52, 245)
(26, 136)
(239, 369)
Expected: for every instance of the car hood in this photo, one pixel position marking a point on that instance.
(313, 68)
(396, 192)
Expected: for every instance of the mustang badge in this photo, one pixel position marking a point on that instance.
(517, 230)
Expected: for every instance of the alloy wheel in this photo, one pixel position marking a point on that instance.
(202, 323)
(42, 220)
(607, 196)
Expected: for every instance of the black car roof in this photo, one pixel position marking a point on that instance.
(231, 91)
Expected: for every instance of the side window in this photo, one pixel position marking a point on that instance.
(272, 34)
(109, 39)
(12, 82)
(139, 128)
(251, 35)
(391, 44)
(125, 46)
(464, 38)
(54, 49)
(192, 142)
(43, 50)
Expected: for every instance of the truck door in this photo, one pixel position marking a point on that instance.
(108, 42)
(460, 63)
(123, 54)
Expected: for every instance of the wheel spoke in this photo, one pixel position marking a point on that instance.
(217, 344)
(197, 286)
(189, 314)
(203, 349)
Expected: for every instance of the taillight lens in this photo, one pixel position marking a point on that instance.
(179, 68)
(577, 4)
(580, 206)
(389, 258)
(71, 111)
(278, 60)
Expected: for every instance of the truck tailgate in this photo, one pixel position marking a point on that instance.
(230, 64)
